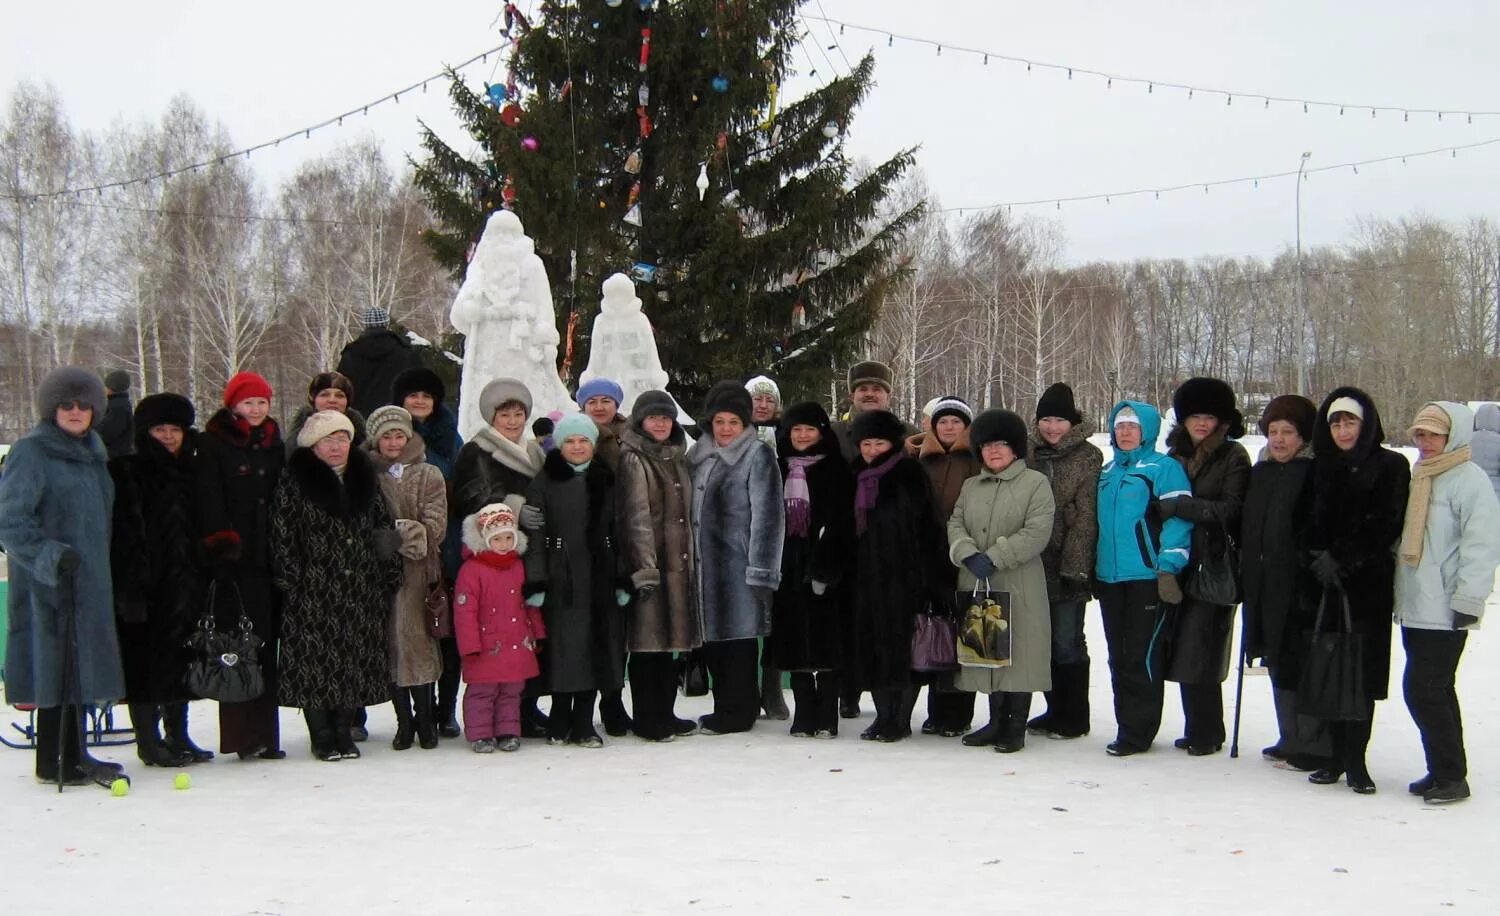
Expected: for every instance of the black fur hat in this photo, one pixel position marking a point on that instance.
(418, 379)
(996, 425)
(727, 397)
(66, 385)
(877, 424)
(157, 409)
(1210, 396)
(807, 413)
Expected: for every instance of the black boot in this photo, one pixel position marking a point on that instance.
(581, 727)
(174, 726)
(1043, 724)
(343, 733)
(557, 721)
(804, 703)
(848, 696)
(56, 756)
(987, 735)
(144, 719)
(617, 723)
(320, 732)
(1012, 735)
(406, 731)
(534, 722)
(771, 698)
(883, 716)
(825, 718)
(426, 721)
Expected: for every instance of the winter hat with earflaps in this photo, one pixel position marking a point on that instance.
(66, 385)
(321, 425)
(870, 372)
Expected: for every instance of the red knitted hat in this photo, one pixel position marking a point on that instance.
(246, 385)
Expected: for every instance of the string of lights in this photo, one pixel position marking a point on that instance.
(303, 132)
(1152, 85)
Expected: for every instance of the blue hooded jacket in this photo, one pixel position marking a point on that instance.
(1133, 547)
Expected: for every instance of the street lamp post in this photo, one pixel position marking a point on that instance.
(1302, 320)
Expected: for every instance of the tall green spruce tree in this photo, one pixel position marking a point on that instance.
(599, 144)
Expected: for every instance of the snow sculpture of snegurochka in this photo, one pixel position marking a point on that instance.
(622, 346)
(504, 310)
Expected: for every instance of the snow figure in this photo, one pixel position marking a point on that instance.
(623, 348)
(504, 310)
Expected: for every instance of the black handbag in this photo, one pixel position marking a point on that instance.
(693, 674)
(1216, 579)
(1332, 686)
(226, 663)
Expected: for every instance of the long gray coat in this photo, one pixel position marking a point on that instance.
(1008, 516)
(56, 493)
(418, 501)
(740, 522)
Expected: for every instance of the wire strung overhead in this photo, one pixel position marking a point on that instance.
(1057, 202)
(303, 132)
(1151, 85)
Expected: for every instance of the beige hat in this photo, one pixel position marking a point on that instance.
(321, 425)
(1344, 405)
(1432, 418)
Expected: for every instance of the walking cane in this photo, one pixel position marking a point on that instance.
(1239, 696)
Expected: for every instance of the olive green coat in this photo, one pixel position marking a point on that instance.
(1008, 516)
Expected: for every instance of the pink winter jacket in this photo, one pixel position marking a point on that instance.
(496, 631)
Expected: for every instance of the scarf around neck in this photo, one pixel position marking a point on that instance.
(798, 497)
(1419, 499)
(868, 488)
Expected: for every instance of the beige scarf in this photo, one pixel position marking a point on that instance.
(1420, 498)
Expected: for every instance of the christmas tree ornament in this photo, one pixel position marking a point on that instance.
(732, 196)
(496, 93)
(720, 84)
(645, 120)
(613, 4)
(633, 215)
(831, 129)
(721, 142)
(645, 48)
(567, 88)
(529, 144)
(771, 108)
(646, 5)
(508, 193)
(633, 162)
(799, 315)
(643, 272)
(702, 182)
(643, 94)
(635, 194)
(510, 115)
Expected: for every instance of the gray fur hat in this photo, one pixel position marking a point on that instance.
(498, 392)
(65, 385)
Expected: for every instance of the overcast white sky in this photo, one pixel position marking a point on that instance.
(987, 134)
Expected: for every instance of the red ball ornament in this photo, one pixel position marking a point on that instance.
(510, 115)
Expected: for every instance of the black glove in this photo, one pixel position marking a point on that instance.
(645, 592)
(1463, 621)
(979, 565)
(1071, 589)
(1168, 589)
(68, 561)
(762, 594)
(1325, 567)
(1166, 508)
(385, 541)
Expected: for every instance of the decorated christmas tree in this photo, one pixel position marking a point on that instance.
(650, 138)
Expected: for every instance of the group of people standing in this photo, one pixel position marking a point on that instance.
(379, 558)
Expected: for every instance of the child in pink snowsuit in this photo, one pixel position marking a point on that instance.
(497, 633)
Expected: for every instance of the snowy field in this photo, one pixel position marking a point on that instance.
(764, 823)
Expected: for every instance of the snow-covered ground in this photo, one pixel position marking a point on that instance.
(764, 823)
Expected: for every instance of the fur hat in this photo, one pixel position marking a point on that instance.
(384, 419)
(1293, 408)
(65, 385)
(951, 405)
(652, 404)
(877, 424)
(326, 380)
(375, 317)
(807, 413)
(600, 388)
(764, 385)
(321, 425)
(576, 424)
(117, 380)
(996, 425)
(727, 397)
(164, 409)
(870, 372)
(495, 519)
(419, 379)
(1057, 401)
(246, 385)
(1209, 396)
(501, 391)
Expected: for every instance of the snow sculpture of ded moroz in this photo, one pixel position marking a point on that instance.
(622, 346)
(504, 310)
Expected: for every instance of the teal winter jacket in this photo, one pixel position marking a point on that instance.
(1132, 544)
